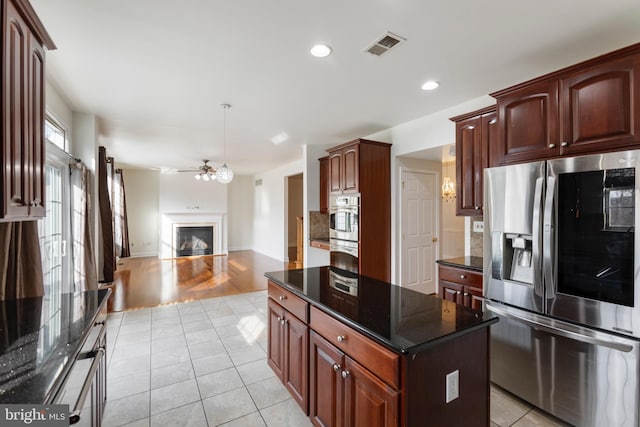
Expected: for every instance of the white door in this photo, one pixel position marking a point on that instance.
(419, 227)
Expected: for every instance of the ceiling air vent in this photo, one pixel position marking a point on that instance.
(258, 182)
(384, 44)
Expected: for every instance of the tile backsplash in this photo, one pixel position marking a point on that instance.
(476, 239)
(318, 225)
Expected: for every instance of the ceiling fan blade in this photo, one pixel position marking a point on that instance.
(188, 170)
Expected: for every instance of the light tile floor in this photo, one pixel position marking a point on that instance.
(203, 363)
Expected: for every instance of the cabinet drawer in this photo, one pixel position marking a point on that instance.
(292, 303)
(460, 276)
(384, 363)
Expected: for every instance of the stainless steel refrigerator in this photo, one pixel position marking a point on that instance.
(561, 266)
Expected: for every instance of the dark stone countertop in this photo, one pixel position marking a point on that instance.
(469, 262)
(40, 339)
(403, 320)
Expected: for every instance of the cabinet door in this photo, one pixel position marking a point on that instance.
(528, 123)
(35, 130)
(275, 344)
(325, 187)
(599, 107)
(473, 298)
(335, 172)
(451, 291)
(469, 170)
(15, 156)
(350, 165)
(296, 360)
(326, 406)
(368, 401)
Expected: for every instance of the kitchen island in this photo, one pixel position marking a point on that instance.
(353, 350)
(51, 346)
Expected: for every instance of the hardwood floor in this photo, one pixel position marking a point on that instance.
(149, 282)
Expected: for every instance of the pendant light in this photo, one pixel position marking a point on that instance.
(224, 174)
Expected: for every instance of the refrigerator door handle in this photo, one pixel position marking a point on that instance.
(537, 206)
(548, 240)
(577, 334)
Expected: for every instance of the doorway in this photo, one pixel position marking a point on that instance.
(419, 225)
(295, 220)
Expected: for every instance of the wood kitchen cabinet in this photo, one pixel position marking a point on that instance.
(476, 134)
(23, 112)
(584, 109)
(343, 393)
(325, 187)
(364, 167)
(288, 344)
(461, 286)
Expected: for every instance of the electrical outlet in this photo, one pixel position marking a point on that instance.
(478, 226)
(453, 391)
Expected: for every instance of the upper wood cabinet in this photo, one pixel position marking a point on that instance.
(476, 134)
(23, 111)
(343, 168)
(588, 108)
(325, 188)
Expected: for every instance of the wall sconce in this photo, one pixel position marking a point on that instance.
(448, 189)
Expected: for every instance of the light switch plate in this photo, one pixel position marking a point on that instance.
(478, 226)
(453, 390)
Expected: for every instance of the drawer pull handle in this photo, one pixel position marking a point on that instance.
(345, 374)
(342, 338)
(282, 297)
(463, 276)
(74, 416)
(336, 367)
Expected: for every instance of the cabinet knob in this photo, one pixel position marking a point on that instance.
(345, 374)
(478, 207)
(36, 202)
(466, 294)
(336, 367)
(463, 276)
(282, 297)
(564, 144)
(458, 293)
(341, 338)
(282, 321)
(279, 318)
(552, 145)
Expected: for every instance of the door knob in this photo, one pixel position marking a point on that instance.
(434, 239)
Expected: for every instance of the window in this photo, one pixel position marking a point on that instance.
(55, 133)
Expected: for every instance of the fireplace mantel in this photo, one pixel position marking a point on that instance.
(168, 220)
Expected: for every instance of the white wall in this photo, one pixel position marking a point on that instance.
(295, 198)
(426, 132)
(143, 197)
(269, 220)
(240, 198)
(59, 109)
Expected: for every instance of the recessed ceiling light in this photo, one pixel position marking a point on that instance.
(430, 85)
(279, 138)
(320, 50)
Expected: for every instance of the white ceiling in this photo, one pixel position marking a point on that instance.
(155, 71)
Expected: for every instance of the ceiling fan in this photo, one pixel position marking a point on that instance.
(205, 172)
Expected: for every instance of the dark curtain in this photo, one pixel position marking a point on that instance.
(20, 262)
(106, 217)
(84, 267)
(120, 221)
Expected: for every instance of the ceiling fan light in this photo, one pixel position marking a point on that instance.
(212, 176)
(205, 177)
(224, 174)
(197, 177)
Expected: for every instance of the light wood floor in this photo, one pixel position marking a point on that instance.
(149, 282)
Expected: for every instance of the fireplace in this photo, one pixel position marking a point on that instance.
(190, 240)
(171, 244)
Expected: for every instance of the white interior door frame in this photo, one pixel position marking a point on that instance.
(401, 208)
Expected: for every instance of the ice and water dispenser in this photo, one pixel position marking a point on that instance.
(514, 259)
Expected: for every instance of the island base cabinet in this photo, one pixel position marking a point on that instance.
(345, 394)
(287, 352)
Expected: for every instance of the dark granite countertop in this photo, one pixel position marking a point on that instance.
(40, 339)
(403, 320)
(469, 262)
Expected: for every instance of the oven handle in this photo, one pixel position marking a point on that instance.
(547, 325)
(537, 204)
(74, 417)
(336, 247)
(548, 240)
